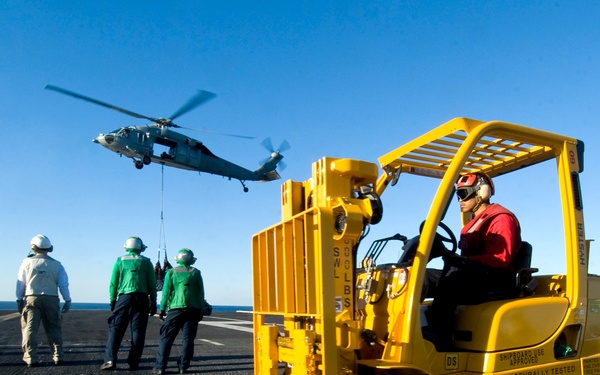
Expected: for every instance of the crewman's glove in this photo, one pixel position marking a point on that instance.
(460, 262)
(455, 261)
(20, 306)
(112, 305)
(162, 314)
(66, 307)
(152, 308)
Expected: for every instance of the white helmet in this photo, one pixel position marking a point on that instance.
(41, 242)
(134, 243)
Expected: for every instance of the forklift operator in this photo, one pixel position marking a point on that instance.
(488, 243)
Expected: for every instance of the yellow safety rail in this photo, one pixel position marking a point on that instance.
(501, 148)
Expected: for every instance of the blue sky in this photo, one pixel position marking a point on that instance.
(340, 79)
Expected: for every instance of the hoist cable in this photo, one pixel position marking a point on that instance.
(162, 242)
(166, 265)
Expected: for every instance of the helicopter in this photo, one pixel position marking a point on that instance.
(180, 151)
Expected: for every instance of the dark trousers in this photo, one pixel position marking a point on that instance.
(462, 286)
(186, 321)
(130, 310)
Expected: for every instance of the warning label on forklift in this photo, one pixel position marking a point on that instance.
(343, 273)
(591, 366)
(562, 370)
(522, 357)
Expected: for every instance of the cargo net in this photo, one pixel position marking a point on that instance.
(161, 271)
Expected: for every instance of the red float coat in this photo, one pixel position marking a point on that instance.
(492, 237)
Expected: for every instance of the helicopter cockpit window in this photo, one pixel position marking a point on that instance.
(123, 133)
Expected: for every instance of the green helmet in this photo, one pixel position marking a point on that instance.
(185, 257)
(135, 244)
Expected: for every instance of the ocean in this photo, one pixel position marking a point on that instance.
(12, 305)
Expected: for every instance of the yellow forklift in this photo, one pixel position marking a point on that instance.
(338, 314)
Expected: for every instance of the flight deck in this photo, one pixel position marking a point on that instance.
(223, 345)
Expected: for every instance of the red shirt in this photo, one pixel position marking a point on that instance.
(492, 237)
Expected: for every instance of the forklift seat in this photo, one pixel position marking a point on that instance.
(524, 284)
(521, 263)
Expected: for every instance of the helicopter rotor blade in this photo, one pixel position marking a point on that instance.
(95, 101)
(212, 132)
(266, 143)
(284, 146)
(200, 98)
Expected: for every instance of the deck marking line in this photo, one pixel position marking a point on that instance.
(212, 342)
(9, 316)
(220, 319)
(229, 325)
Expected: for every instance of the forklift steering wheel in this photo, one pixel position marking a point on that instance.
(438, 241)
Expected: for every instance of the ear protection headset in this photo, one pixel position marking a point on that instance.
(485, 192)
(480, 182)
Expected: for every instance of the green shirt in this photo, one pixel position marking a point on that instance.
(133, 273)
(183, 288)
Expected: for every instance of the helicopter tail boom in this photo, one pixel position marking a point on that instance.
(271, 176)
(267, 171)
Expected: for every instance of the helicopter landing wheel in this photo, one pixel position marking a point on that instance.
(138, 164)
(244, 185)
(146, 160)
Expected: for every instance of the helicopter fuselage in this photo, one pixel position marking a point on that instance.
(141, 143)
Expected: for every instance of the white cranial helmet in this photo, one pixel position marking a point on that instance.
(40, 242)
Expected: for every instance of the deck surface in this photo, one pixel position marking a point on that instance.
(223, 345)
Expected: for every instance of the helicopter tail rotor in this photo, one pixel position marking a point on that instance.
(275, 153)
(268, 169)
